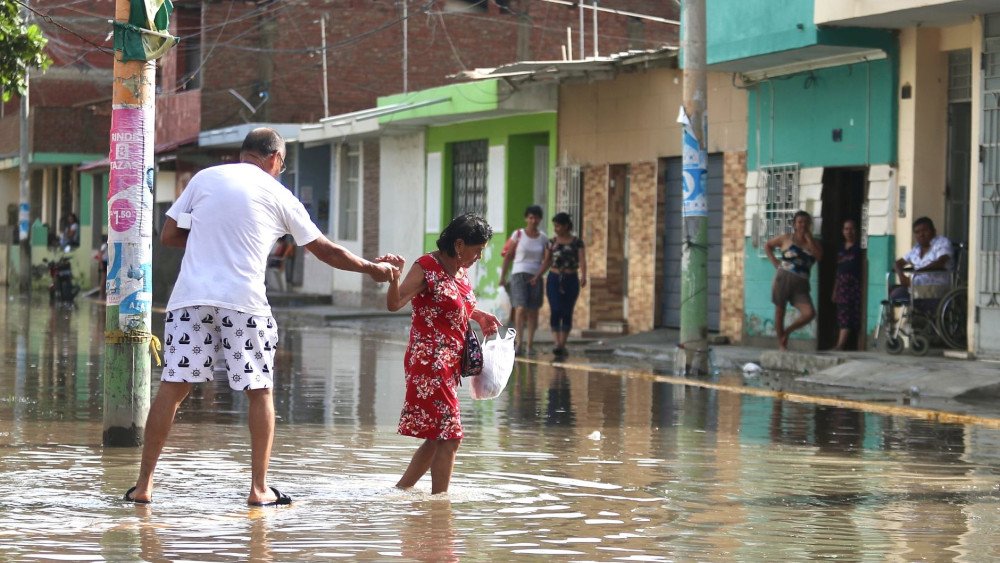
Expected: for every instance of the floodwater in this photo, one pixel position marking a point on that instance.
(572, 465)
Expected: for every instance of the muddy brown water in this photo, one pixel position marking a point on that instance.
(571, 465)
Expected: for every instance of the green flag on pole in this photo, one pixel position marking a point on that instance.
(145, 37)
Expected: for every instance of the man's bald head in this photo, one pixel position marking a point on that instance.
(263, 141)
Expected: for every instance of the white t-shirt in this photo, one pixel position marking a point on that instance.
(237, 213)
(940, 246)
(530, 252)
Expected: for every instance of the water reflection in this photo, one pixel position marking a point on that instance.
(566, 463)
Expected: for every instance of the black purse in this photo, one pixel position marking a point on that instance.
(472, 356)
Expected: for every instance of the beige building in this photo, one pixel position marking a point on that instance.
(619, 141)
(948, 134)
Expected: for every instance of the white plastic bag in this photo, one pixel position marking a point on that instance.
(498, 363)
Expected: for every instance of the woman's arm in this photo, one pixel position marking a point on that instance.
(769, 247)
(507, 261)
(487, 321)
(546, 264)
(400, 293)
(815, 248)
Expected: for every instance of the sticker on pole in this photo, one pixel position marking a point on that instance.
(695, 176)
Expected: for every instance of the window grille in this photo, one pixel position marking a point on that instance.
(960, 76)
(468, 177)
(569, 183)
(778, 200)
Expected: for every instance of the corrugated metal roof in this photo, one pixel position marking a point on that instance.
(555, 70)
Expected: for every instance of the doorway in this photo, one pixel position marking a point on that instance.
(842, 199)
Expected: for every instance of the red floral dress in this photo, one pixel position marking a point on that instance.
(437, 339)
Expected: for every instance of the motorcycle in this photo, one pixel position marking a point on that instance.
(63, 287)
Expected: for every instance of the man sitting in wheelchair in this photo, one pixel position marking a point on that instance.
(930, 261)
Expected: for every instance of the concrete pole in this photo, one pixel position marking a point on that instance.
(130, 249)
(406, 47)
(326, 85)
(596, 50)
(583, 53)
(694, 257)
(24, 205)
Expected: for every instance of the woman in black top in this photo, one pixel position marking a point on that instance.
(567, 257)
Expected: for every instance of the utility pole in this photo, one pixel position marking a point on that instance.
(694, 257)
(596, 53)
(583, 54)
(406, 48)
(128, 337)
(24, 205)
(326, 86)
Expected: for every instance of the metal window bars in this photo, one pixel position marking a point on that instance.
(777, 202)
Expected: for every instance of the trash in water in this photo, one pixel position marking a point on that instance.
(751, 369)
(595, 435)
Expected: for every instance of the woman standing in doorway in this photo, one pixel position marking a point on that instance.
(847, 286)
(568, 258)
(443, 304)
(525, 254)
(799, 251)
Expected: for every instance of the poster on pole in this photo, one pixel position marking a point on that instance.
(130, 194)
(695, 174)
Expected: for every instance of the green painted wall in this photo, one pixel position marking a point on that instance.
(741, 29)
(86, 200)
(469, 97)
(791, 120)
(519, 134)
(881, 254)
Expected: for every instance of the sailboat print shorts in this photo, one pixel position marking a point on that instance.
(201, 339)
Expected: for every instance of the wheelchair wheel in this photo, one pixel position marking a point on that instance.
(893, 344)
(951, 317)
(919, 345)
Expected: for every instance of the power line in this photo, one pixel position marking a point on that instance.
(47, 18)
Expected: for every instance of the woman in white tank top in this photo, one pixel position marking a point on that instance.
(523, 256)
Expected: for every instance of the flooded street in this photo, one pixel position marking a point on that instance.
(569, 464)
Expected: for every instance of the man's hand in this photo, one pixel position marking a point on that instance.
(383, 272)
(396, 260)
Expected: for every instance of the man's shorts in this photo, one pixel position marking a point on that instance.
(789, 288)
(200, 339)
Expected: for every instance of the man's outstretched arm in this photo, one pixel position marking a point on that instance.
(339, 257)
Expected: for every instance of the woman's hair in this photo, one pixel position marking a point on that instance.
(535, 210)
(800, 213)
(469, 228)
(563, 218)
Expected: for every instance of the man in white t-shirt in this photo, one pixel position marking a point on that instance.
(930, 259)
(227, 220)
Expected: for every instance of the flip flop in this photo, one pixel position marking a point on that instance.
(128, 497)
(281, 500)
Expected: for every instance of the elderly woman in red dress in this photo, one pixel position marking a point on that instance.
(443, 304)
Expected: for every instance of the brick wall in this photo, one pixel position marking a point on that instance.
(733, 214)
(371, 293)
(272, 48)
(643, 245)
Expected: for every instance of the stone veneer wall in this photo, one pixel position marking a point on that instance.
(644, 247)
(733, 213)
(595, 235)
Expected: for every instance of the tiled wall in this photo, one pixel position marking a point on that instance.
(643, 247)
(733, 210)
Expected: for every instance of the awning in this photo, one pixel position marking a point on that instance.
(556, 70)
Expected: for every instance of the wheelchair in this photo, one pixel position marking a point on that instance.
(928, 313)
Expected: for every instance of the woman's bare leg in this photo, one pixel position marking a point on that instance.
(443, 464)
(419, 464)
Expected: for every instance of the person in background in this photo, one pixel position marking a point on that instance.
(279, 258)
(443, 304)
(102, 266)
(799, 251)
(847, 286)
(930, 258)
(71, 233)
(567, 257)
(524, 262)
